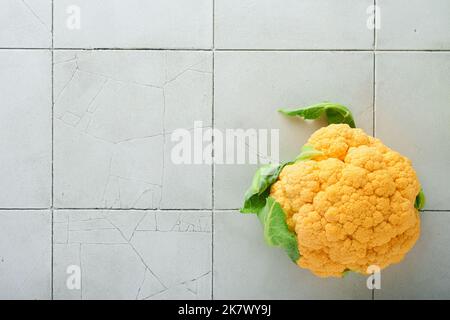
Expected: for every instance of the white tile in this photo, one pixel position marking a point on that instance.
(25, 254)
(26, 24)
(133, 24)
(246, 268)
(423, 274)
(25, 129)
(413, 115)
(133, 254)
(115, 112)
(293, 24)
(414, 24)
(251, 86)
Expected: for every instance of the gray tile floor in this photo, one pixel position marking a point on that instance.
(87, 114)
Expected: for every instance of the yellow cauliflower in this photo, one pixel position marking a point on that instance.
(347, 202)
(353, 206)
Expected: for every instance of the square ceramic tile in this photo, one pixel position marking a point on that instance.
(25, 128)
(251, 86)
(25, 254)
(26, 24)
(414, 24)
(424, 273)
(413, 115)
(293, 24)
(246, 268)
(132, 254)
(115, 115)
(133, 24)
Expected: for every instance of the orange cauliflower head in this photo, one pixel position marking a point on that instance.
(351, 207)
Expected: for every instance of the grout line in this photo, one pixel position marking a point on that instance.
(133, 49)
(374, 69)
(374, 84)
(212, 141)
(333, 50)
(53, 135)
(133, 209)
(163, 209)
(19, 48)
(25, 209)
(52, 258)
(374, 96)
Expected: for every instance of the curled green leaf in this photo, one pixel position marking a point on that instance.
(420, 200)
(255, 196)
(334, 112)
(308, 153)
(276, 231)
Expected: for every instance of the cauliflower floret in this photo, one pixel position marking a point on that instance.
(353, 206)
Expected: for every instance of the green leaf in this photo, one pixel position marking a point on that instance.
(346, 272)
(255, 196)
(265, 176)
(276, 231)
(420, 200)
(308, 153)
(335, 113)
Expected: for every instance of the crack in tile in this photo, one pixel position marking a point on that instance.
(30, 9)
(137, 253)
(155, 294)
(143, 193)
(92, 229)
(137, 225)
(68, 82)
(65, 61)
(102, 87)
(141, 285)
(189, 68)
(98, 74)
(194, 280)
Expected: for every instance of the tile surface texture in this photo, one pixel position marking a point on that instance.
(133, 254)
(285, 79)
(25, 254)
(241, 253)
(293, 24)
(134, 24)
(91, 120)
(423, 274)
(25, 129)
(414, 24)
(115, 112)
(416, 122)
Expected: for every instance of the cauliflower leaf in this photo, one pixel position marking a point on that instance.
(255, 196)
(308, 153)
(265, 176)
(276, 231)
(334, 112)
